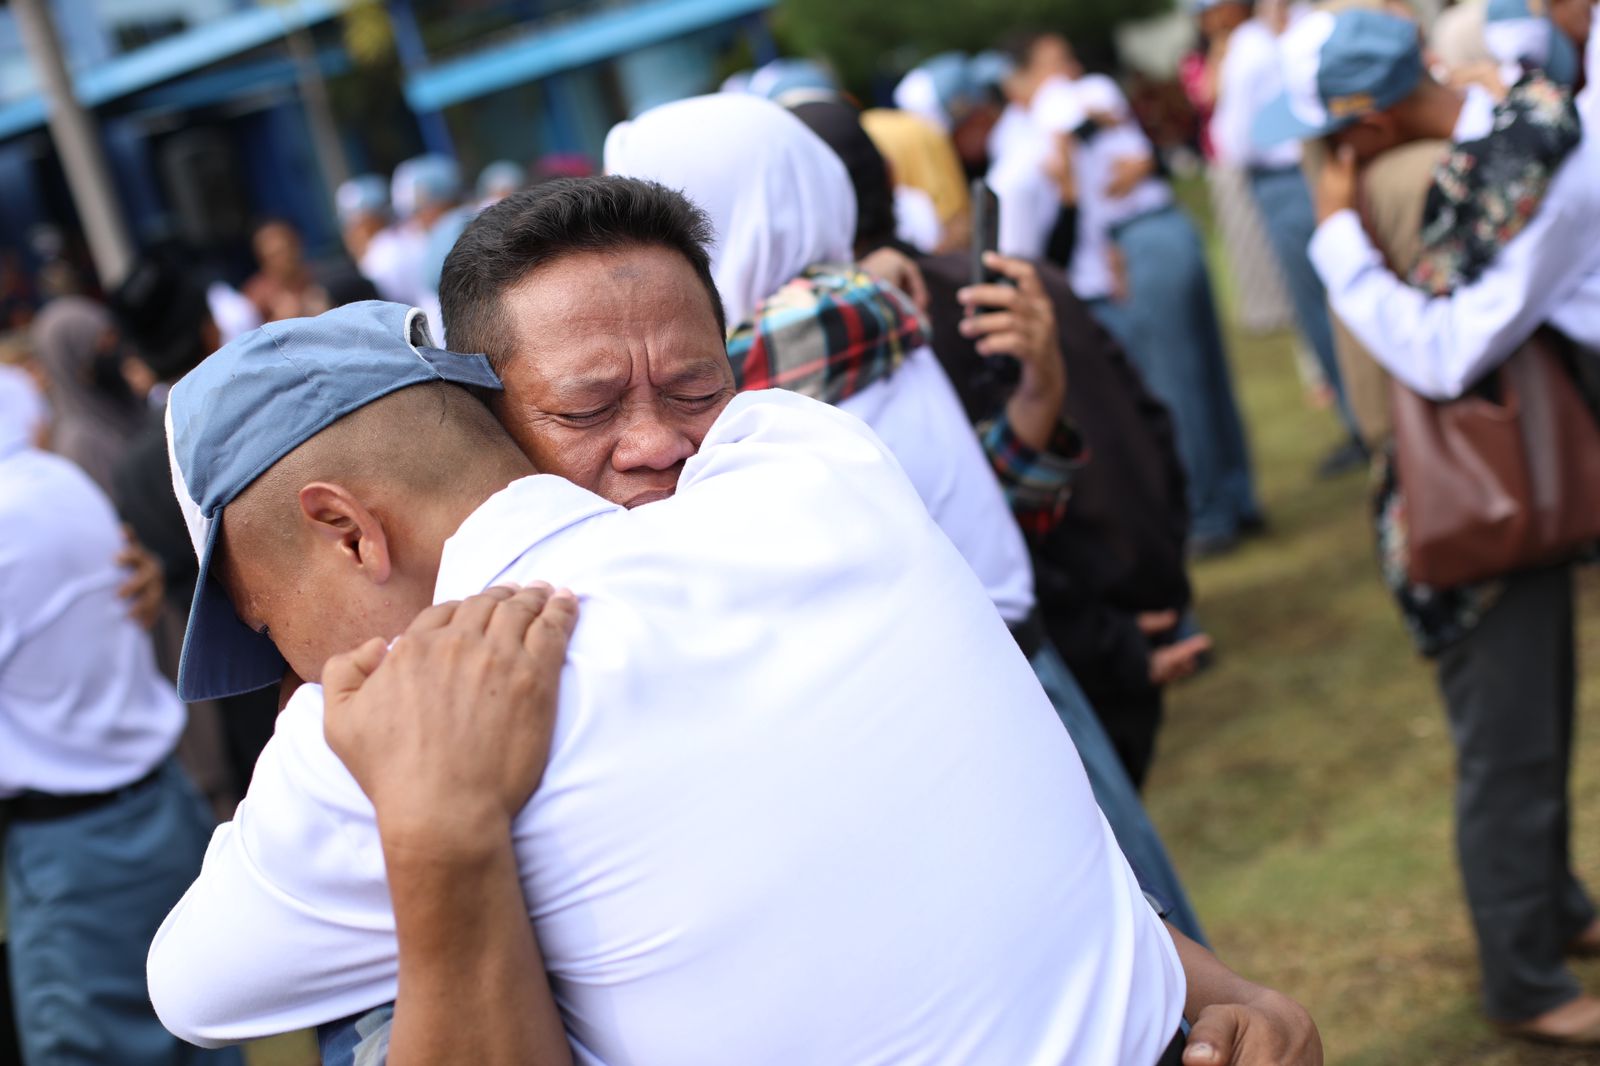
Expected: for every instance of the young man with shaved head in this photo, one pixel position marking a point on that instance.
(800, 769)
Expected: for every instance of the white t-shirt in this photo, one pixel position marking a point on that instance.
(393, 263)
(917, 414)
(1030, 200)
(1251, 78)
(1093, 161)
(806, 802)
(83, 708)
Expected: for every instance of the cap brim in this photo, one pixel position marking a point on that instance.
(221, 655)
(1277, 123)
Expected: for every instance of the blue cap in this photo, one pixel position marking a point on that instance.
(365, 194)
(990, 69)
(249, 404)
(1337, 68)
(424, 180)
(500, 175)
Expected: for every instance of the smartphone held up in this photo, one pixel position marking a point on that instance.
(1000, 371)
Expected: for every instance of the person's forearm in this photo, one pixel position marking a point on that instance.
(1034, 415)
(1209, 982)
(472, 983)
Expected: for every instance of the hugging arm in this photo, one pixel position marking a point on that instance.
(448, 733)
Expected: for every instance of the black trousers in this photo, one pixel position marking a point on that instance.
(1173, 1056)
(1510, 688)
(1131, 719)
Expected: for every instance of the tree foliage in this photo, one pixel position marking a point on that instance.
(868, 39)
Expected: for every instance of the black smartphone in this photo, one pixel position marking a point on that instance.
(997, 371)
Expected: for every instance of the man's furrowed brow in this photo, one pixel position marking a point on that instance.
(699, 372)
(595, 383)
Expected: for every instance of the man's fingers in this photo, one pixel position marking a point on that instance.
(915, 287)
(989, 322)
(1212, 1038)
(1152, 623)
(1018, 270)
(513, 615)
(436, 617)
(343, 675)
(548, 637)
(991, 295)
(475, 611)
(1012, 342)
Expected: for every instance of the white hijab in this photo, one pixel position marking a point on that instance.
(779, 199)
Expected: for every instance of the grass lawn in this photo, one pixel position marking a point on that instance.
(1304, 783)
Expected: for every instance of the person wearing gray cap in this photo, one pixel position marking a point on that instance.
(1510, 243)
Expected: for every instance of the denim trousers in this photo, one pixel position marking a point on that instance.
(1113, 790)
(1168, 324)
(84, 896)
(1290, 220)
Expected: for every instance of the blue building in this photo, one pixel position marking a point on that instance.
(204, 121)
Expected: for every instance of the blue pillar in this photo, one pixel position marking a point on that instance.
(413, 59)
(128, 154)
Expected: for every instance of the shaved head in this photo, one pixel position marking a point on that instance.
(339, 541)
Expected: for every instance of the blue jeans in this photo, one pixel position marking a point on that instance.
(1285, 205)
(1118, 799)
(84, 897)
(1169, 326)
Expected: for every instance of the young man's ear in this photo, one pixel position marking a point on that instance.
(341, 522)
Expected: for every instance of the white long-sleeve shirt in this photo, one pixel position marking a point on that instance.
(1441, 345)
(805, 802)
(1251, 78)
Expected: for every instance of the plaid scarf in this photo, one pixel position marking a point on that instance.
(827, 334)
(1485, 191)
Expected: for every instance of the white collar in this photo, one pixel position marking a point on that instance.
(1476, 120)
(506, 526)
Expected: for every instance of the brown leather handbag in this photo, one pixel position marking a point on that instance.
(1504, 479)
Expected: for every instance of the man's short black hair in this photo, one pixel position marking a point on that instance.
(536, 226)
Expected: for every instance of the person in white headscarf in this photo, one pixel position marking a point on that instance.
(783, 209)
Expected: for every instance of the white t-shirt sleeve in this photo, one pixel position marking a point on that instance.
(1441, 345)
(289, 924)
